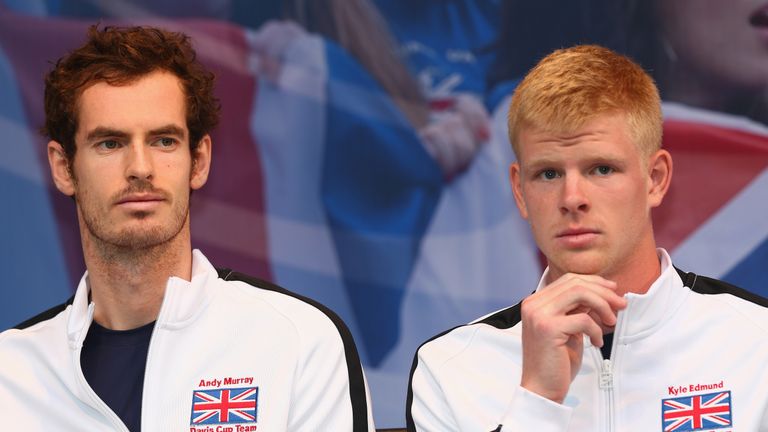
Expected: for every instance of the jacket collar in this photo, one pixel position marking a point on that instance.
(182, 303)
(645, 313)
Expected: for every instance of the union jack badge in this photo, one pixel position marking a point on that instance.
(224, 406)
(697, 413)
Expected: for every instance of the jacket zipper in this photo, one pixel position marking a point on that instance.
(606, 385)
(150, 355)
(97, 403)
(607, 367)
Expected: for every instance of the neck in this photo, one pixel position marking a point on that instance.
(128, 284)
(639, 274)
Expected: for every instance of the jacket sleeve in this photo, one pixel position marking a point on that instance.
(429, 410)
(330, 391)
(529, 411)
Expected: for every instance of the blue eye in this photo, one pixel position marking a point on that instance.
(109, 144)
(166, 142)
(603, 170)
(549, 174)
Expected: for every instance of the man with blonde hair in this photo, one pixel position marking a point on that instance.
(614, 337)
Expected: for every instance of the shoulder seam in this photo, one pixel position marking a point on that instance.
(709, 286)
(491, 320)
(45, 315)
(357, 392)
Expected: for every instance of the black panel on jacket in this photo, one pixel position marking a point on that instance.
(357, 391)
(43, 316)
(706, 285)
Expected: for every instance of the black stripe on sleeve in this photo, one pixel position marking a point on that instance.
(502, 319)
(355, 369)
(706, 285)
(43, 316)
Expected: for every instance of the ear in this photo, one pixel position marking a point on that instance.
(659, 176)
(517, 189)
(60, 168)
(201, 163)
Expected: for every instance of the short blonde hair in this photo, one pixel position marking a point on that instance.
(572, 86)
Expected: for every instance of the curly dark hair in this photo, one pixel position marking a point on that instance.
(120, 56)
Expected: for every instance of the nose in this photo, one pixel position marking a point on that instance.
(574, 198)
(139, 165)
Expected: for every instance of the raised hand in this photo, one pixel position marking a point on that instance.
(555, 319)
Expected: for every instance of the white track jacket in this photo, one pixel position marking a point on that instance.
(224, 347)
(689, 355)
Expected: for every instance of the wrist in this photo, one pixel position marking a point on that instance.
(544, 391)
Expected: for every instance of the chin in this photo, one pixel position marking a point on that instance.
(144, 237)
(580, 263)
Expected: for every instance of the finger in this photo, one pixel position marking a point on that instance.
(584, 278)
(568, 282)
(594, 316)
(602, 287)
(605, 326)
(576, 325)
(598, 301)
(571, 299)
(574, 282)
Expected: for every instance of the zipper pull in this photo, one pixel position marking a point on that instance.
(606, 375)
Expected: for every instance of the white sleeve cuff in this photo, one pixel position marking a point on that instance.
(529, 411)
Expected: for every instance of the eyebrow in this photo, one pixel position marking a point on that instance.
(107, 132)
(538, 164)
(168, 130)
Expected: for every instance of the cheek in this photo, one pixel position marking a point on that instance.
(86, 183)
(539, 199)
(541, 225)
(536, 212)
(172, 170)
(633, 209)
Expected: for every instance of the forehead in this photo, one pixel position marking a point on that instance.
(606, 134)
(151, 100)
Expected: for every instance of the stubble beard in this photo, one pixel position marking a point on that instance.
(136, 242)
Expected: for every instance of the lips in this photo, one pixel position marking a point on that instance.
(577, 238)
(140, 198)
(140, 203)
(576, 232)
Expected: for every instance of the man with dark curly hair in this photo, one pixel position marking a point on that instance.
(155, 337)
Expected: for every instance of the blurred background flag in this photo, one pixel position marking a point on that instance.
(362, 156)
